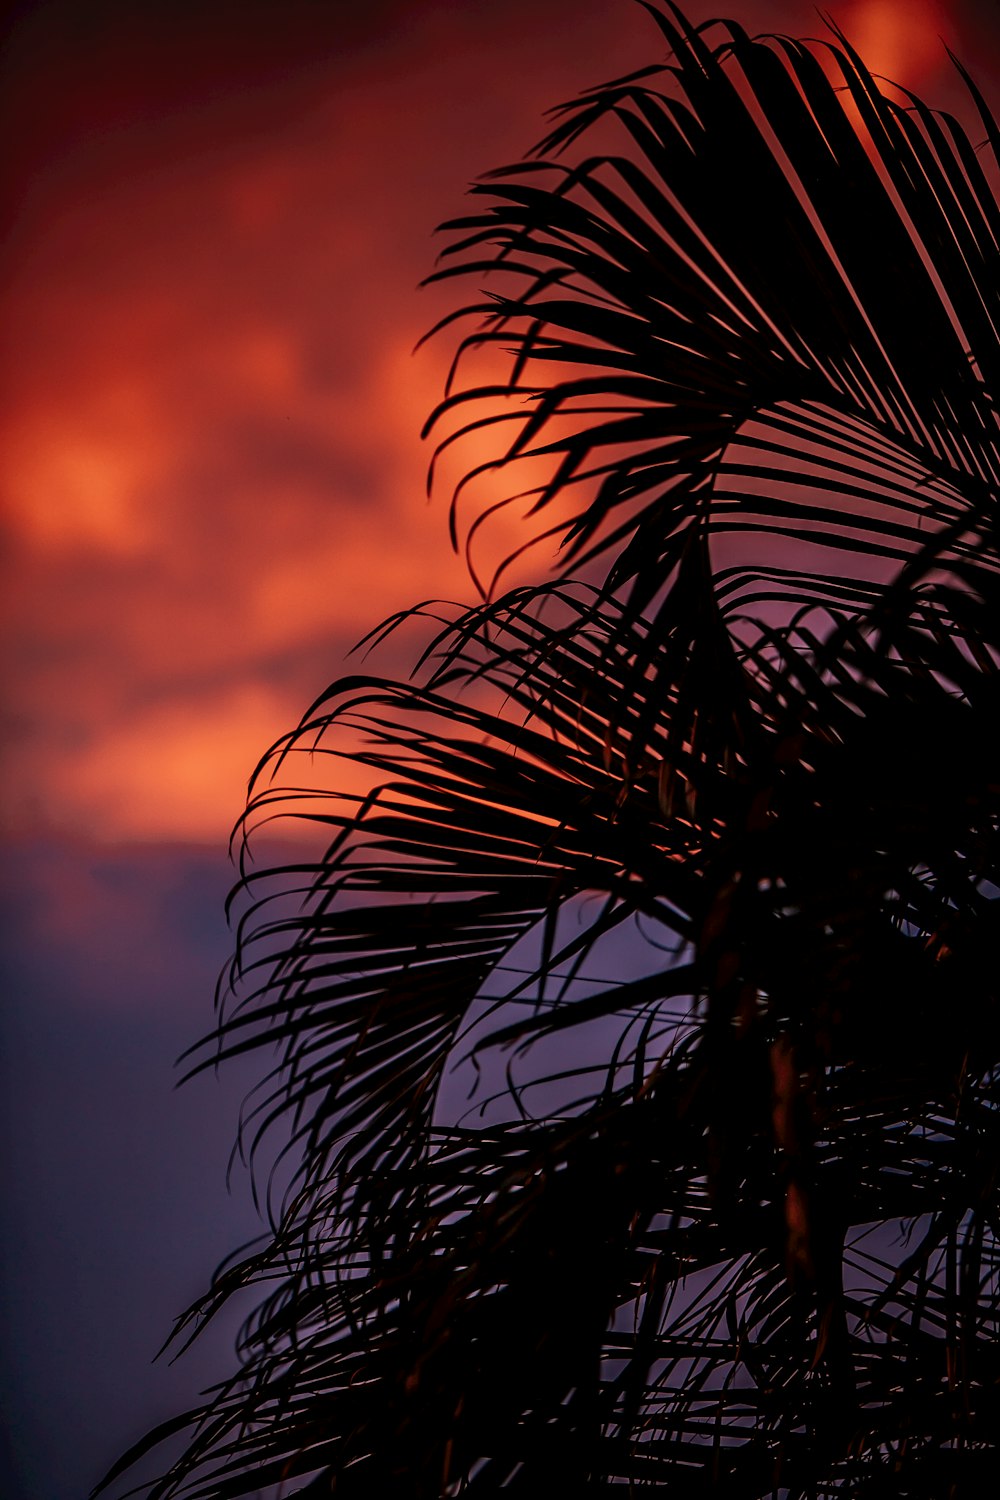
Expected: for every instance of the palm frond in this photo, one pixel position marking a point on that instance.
(638, 1029)
(744, 1107)
(768, 304)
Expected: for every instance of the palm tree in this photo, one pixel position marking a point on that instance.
(688, 856)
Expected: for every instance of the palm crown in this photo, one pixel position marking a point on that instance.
(691, 852)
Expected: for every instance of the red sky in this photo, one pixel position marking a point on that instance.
(214, 482)
(212, 486)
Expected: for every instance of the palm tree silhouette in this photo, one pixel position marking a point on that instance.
(689, 855)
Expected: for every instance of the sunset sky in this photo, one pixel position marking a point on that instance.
(213, 484)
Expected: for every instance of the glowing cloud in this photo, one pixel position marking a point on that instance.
(212, 474)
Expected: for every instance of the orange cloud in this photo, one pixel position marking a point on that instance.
(74, 478)
(902, 42)
(213, 480)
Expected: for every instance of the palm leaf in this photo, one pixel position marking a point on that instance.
(638, 1028)
(773, 267)
(412, 1262)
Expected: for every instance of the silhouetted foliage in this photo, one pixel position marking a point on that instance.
(692, 855)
